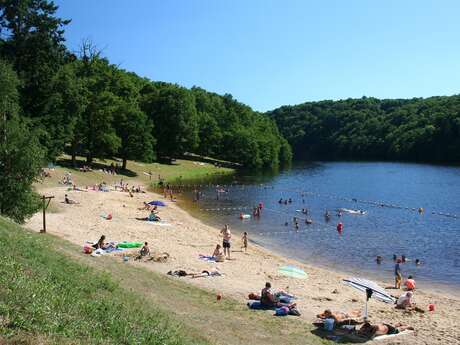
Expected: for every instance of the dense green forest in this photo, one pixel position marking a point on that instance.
(82, 104)
(419, 129)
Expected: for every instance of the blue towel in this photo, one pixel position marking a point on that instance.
(207, 258)
(259, 306)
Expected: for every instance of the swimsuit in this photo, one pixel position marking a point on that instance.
(226, 243)
(391, 329)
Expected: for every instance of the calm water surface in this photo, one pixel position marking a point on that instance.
(383, 230)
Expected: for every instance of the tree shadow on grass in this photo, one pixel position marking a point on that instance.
(67, 163)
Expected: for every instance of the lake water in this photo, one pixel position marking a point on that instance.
(394, 228)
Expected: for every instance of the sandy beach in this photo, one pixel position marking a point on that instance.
(185, 237)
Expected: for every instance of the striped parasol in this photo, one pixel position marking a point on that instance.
(371, 289)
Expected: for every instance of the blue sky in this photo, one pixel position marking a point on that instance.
(269, 53)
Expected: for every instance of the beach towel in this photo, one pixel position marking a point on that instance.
(284, 298)
(387, 336)
(158, 223)
(98, 252)
(113, 248)
(256, 305)
(207, 258)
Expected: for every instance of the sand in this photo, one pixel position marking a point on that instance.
(187, 237)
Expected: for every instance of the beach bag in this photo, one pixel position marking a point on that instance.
(283, 311)
(329, 324)
(87, 249)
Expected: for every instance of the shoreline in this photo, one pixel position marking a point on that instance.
(187, 236)
(440, 288)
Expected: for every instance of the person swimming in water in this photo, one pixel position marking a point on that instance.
(340, 228)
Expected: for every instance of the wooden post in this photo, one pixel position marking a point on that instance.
(45, 206)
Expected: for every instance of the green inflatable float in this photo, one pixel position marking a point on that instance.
(130, 244)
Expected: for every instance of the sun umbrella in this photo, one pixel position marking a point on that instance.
(371, 289)
(292, 271)
(157, 203)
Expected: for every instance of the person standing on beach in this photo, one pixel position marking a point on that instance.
(244, 239)
(398, 275)
(226, 241)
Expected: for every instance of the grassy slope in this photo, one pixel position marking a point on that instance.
(45, 294)
(185, 169)
(52, 294)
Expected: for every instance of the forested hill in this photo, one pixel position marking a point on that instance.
(82, 104)
(419, 129)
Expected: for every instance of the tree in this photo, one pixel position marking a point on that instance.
(21, 155)
(99, 136)
(32, 40)
(135, 131)
(64, 110)
(174, 116)
(368, 128)
(95, 132)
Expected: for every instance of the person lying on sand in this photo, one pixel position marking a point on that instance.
(339, 316)
(370, 331)
(69, 201)
(145, 206)
(153, 217)
(77, 189)
(213, 273)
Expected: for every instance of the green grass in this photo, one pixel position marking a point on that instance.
(180, 170)
(50, 293)
(43, 292)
